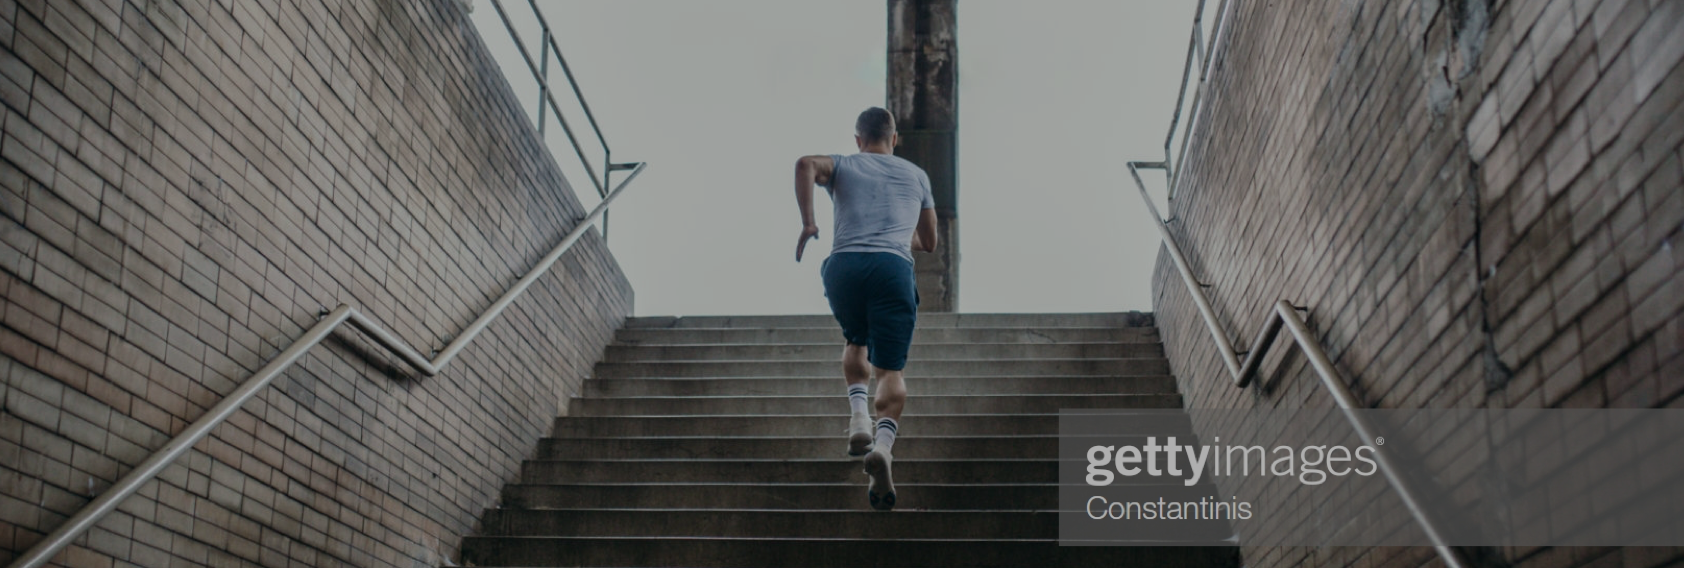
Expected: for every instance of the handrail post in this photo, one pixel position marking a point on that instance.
(607, 174)
(1199, 47)
(543, 81)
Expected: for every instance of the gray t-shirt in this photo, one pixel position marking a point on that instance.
(878, 198)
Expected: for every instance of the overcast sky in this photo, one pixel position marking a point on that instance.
(721, 97)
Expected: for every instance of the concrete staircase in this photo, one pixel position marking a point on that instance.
(718, 441)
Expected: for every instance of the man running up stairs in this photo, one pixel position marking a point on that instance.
(720, 441)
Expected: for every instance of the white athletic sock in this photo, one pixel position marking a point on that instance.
(886, 430)
(856, 399)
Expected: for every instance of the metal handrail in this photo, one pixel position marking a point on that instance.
(541, 72)
(91, 513)
(1199, 56)
(1284, 313)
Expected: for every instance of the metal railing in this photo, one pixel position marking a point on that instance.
(1198, 57)
(1284, 314)
(547, 102)
(329, 321)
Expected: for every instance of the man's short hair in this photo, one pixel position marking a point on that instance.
(875, 125)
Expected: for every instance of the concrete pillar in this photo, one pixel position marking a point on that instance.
(923, 94)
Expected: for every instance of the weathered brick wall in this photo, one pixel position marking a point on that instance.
(1479, 203)
(184, 185)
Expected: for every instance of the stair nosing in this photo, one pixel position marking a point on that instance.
(722, 437)
(764, 484)
(828, 396)
(763, 510)
(913, 378)
(994, 414)
(834, 344)
(795, 460)
(838, 329)
(797, 538)
(920, 377)
(1036, 359)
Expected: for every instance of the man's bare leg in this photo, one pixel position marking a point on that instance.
(856, 371)
(891, 399)
(891, 394)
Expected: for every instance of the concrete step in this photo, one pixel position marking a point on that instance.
(773, 523)
(832, 335)
(719, 441)
(914, 368)
(836, 551)
(920, 386)
(831, 352)
(812, 447)
(835, 445)
(935, 404)
(835, 470)
(834, 424)
(791, 496)
(925, 320)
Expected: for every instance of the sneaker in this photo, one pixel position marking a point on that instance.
(860, 439)
(882, 490)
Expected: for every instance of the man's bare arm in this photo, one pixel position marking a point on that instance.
(809, 170)
(924, 237)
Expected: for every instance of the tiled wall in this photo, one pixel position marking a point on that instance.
(183, 185)
(1479, 203)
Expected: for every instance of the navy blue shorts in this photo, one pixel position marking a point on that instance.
(875, 298)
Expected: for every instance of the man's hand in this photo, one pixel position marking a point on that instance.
(808, 233)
